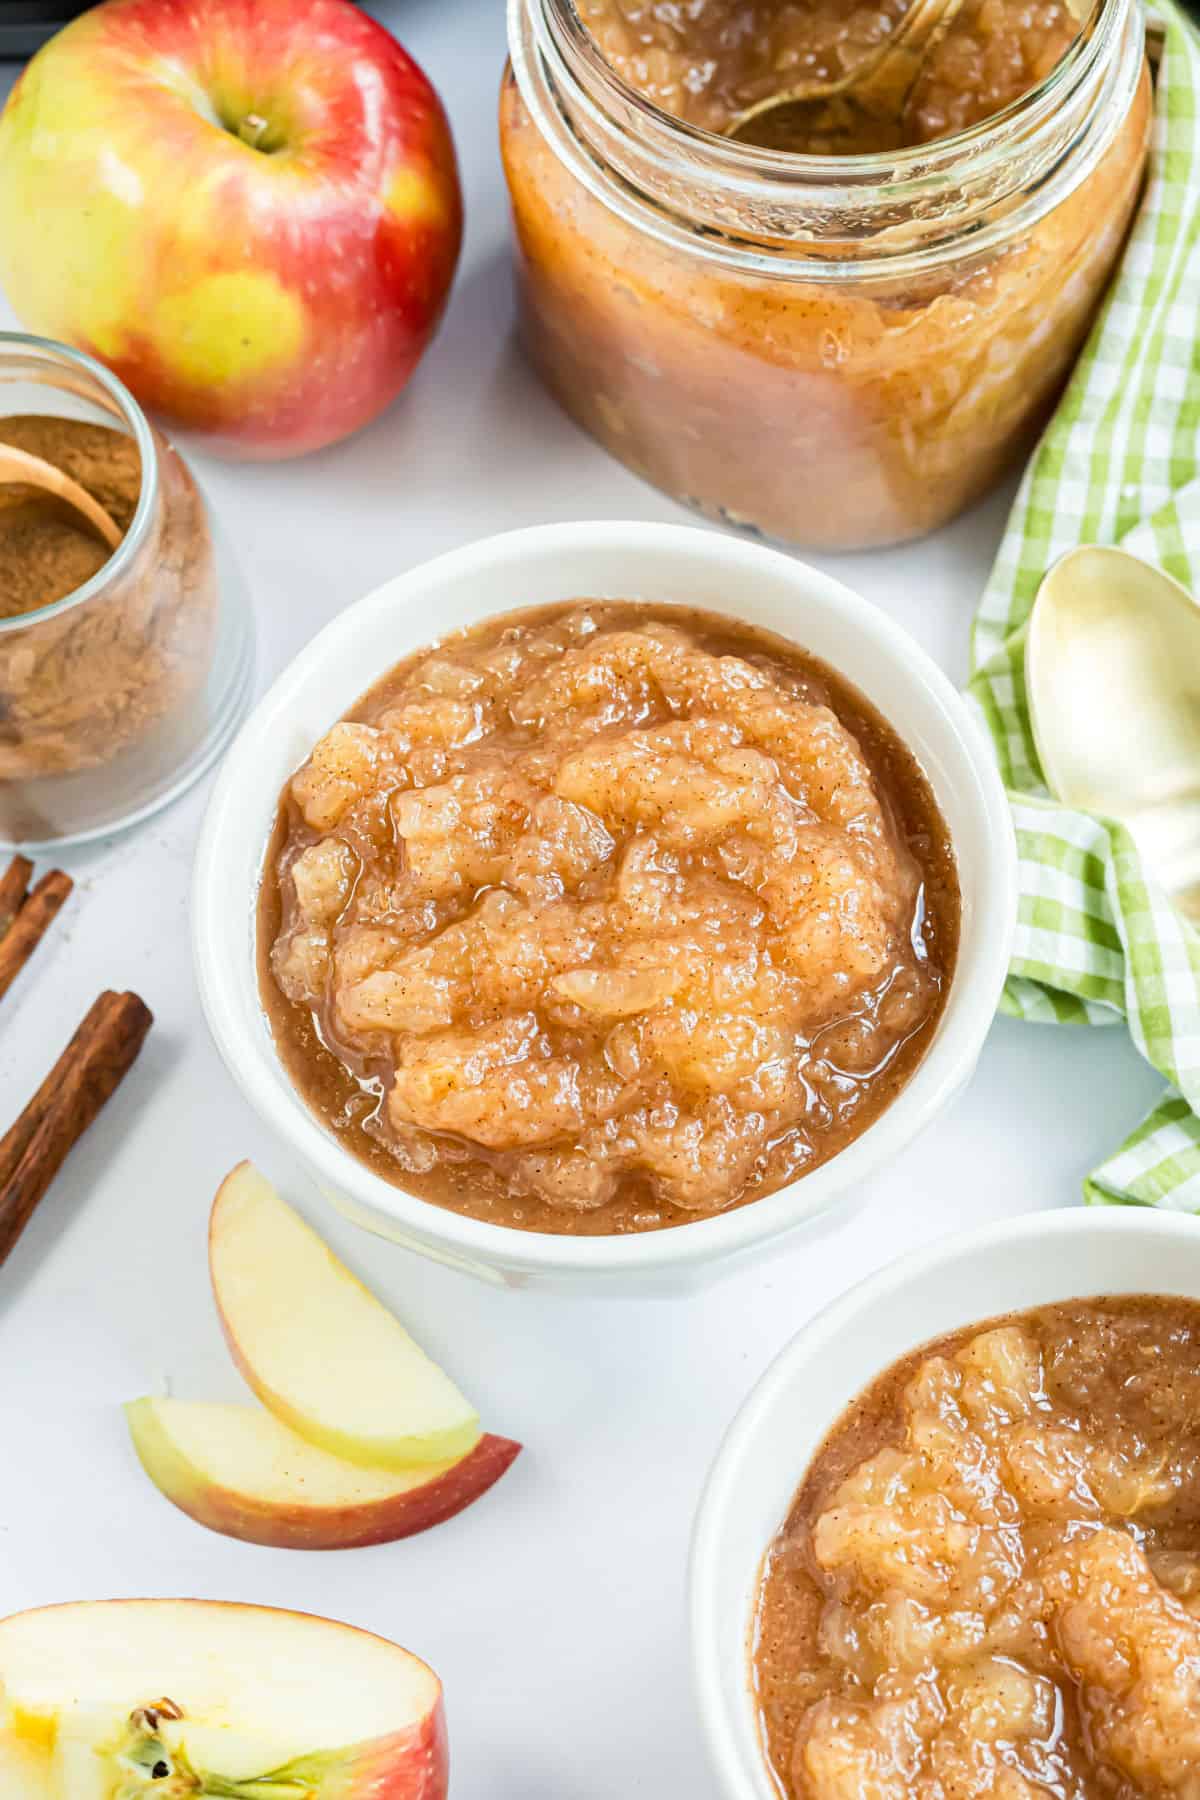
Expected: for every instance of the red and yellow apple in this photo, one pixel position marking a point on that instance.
(178, 1699)
(249, 209)
(317, 1348)
(239, 1471)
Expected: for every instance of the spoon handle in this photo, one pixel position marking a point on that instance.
(884, 88)
(21, 467)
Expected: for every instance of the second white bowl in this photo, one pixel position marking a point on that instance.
(681, 565)
(966, 1279)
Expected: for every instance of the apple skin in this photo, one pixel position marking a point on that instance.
(273, 296)
(308, 1500)
(210, 1657)
(409, 1766)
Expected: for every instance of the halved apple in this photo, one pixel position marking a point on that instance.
(27, 1744)
(240, 1471)
(177, 1699)
(319, 1350)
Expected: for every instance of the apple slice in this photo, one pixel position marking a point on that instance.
(175, 1699)
(240, 1471)
(317, 1348)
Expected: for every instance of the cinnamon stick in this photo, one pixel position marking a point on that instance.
(89, 1070)
(31, 924)
(14, 886)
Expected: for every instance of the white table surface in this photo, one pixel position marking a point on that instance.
(554, 1609)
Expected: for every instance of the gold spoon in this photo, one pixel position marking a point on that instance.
(1112, 671)
(874, 91)
(22, 469)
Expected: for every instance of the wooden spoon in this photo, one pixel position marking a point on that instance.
(873, 93)
(21, 468)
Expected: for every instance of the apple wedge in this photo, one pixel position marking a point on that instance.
(241, 1472)
(178, 1699)
(319, 1350)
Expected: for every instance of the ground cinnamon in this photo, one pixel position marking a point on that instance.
(111, 675)
(46, 549)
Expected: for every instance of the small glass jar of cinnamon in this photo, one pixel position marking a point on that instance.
(123, 670)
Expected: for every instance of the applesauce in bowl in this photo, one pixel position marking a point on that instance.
(950, 1543)
(604, 917)
(678, 573)
(835, 351)
(989, 1581)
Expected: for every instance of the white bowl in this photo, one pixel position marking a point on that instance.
(662, 563)
(961, 1281)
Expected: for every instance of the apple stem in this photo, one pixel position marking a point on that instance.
(252, 128)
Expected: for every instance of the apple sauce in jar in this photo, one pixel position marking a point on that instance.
(988, 1586)
(603, 917)
(833, 350)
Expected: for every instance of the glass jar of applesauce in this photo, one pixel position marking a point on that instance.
(126, 665)
(835, 351)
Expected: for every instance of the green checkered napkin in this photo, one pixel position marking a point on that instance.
(1097, 941)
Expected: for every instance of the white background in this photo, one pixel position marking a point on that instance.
(555, 1609)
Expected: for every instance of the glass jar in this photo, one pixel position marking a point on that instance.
(117, 694)
(837, 352)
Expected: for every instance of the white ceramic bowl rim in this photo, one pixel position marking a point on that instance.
(714, 1636)
(975, 989)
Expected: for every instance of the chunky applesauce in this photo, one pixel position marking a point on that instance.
(850, 356)
(712, 61)
(602, 917)
(989, 1582)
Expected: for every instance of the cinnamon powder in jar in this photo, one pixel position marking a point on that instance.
(46, 549)
(81, 687)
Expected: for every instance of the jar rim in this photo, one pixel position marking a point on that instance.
(554, 55)
(50, 353)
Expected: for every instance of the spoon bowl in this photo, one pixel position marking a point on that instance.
(1112, 668)
(862, 106)
(22, 470)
